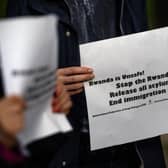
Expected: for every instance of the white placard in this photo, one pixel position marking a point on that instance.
(29, 53)
(128, 99)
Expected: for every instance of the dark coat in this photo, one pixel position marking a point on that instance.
(129, 17)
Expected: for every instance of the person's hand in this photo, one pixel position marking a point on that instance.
(61, 100)
(73, 78)
(11, 118)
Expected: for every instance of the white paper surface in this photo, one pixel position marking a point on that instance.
(128, 99)
(29, 51)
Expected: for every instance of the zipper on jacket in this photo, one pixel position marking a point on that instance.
(121, 17)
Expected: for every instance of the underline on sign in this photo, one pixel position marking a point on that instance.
(120, 110)
(161, 100)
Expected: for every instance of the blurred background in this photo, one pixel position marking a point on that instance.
(157, 13)
(157, 17)
(2, 7)
(156, 10)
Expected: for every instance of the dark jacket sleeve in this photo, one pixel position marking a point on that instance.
(13, 8)
(139, 15)
(17, 8)
(134, 16)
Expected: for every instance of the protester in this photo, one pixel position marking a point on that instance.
(97, 20)
(12, 122)
(85, 21)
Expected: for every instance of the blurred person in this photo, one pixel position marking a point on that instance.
(84, 21)
(12, 122)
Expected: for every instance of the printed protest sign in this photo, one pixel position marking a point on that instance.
(29, 54)
(128, 99)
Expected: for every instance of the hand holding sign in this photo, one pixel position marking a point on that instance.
(73, 78)
(11, 119)
(128, 100)
(61, 100)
